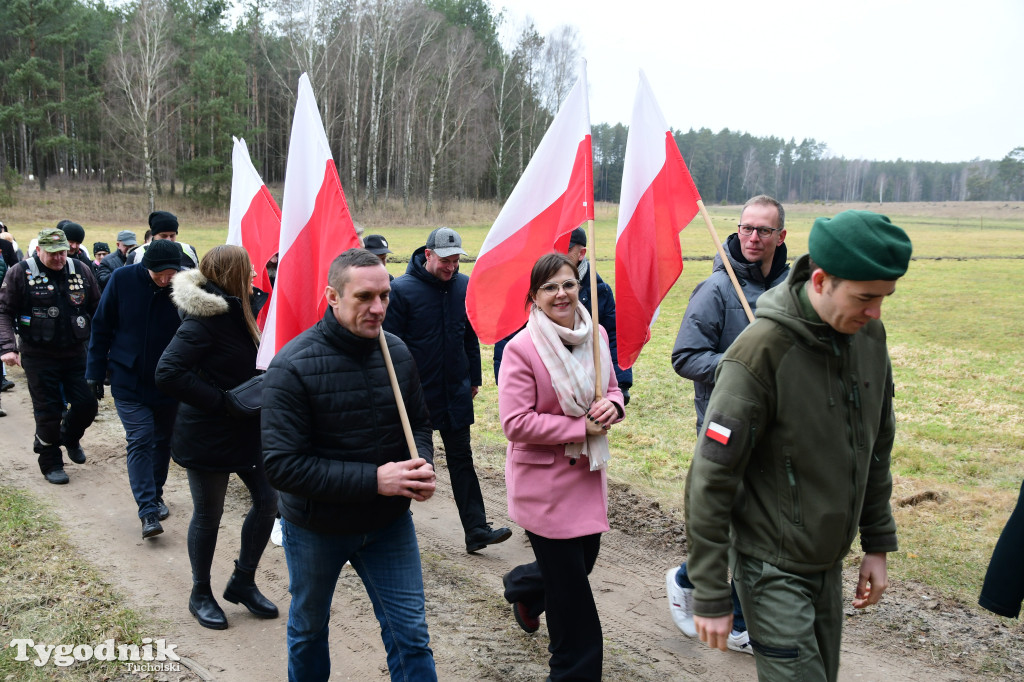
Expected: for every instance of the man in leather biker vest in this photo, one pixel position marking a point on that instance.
(48, 300)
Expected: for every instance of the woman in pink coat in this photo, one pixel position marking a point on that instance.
(555, 468)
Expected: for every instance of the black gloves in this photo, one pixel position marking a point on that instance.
(97, 388)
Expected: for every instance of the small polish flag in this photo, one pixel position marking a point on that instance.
(719, 433)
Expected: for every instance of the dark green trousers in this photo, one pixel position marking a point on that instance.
(795, 620)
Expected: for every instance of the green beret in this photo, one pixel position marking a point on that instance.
(859, 245)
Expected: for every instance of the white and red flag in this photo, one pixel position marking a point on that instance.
(554, 196)
(254, 222)
(315, 227)
(658, 199)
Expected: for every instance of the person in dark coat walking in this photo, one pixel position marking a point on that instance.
(50, 298)
(334, 446)
(134, 322)
(713, 319)
(214, 350)
(428, 312)
(118, 259)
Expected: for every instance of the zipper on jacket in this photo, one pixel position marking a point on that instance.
(791, 475)
(859, 418)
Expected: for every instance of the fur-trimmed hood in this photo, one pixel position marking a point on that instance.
(189, 293)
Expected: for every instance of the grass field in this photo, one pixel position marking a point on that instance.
(954, 325)
(53, 597)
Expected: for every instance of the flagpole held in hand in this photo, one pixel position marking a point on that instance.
(591, 254)
(403, 415)
(725, 261)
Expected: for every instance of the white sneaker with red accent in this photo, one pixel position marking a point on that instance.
(680, 603)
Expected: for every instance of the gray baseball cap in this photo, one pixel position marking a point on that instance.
(444, 241)
(127, 237)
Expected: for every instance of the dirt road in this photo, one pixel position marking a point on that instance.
(473, 634)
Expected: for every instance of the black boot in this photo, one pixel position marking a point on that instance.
(242, 590)
(205, 608)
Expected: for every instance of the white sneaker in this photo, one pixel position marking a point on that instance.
(740, 641)
(276, 534)
(680, 604)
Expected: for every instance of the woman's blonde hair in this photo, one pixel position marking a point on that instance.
(229, 267)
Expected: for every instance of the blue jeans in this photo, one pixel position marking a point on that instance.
(738, 623)
(388, 562)
(148, 432)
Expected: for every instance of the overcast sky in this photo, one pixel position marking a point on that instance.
(925, 80)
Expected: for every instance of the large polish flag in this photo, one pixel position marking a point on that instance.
(657, 201)
(254, 221)
(315, 227)
(554, 196)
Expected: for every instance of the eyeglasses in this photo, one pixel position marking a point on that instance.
(568, 286)
(762, 232)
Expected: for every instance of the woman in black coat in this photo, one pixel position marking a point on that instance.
(213, 351)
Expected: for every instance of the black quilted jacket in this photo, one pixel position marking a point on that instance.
(330, 419)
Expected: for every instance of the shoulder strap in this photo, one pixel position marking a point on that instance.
(71, 265)
(33, 266)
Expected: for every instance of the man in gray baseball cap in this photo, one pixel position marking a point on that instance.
(125, 242)
(428, 312)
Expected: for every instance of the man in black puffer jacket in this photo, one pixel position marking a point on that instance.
(334, 447)
(428, 312)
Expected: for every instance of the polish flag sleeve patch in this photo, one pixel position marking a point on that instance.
(719, 433)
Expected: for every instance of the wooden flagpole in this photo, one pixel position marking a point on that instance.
(591, 255)
(725, 261)
(403, 415)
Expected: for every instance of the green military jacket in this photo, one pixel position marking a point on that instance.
(793, 456)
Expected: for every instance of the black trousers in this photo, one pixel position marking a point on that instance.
(465, 484)
(50, 382)
(208, 491)
(1003, 590)
(558, 584)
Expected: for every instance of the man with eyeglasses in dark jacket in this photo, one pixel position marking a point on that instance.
(713, 319)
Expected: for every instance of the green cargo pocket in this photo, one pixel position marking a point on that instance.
(774, 651)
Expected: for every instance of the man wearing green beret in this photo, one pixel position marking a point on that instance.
(792, 461)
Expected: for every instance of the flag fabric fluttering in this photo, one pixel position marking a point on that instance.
(315, 227)
(254, 222)
(554, 196)
(658, 199)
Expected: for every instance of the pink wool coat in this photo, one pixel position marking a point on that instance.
(547, 493)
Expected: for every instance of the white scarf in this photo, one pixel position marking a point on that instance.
(572, 374)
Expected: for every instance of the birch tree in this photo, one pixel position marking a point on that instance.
(142, 57)
(453, 95)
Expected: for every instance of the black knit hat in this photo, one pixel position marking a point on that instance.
(860, 245)
(578, 236)
(73, 231)
(100, 247)
(161, 255)
(162, 221)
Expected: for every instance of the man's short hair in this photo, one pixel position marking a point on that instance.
(337, 276)
(765, 200)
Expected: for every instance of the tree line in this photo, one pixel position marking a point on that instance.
(431, 100)
(729, 167)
